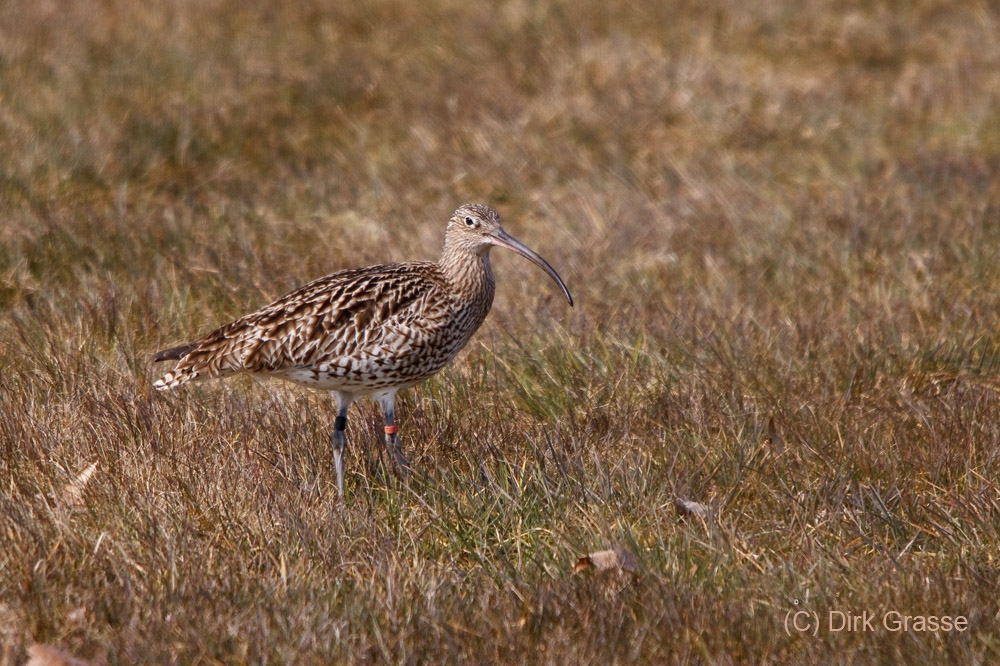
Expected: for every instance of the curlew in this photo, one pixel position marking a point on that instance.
(364, 332)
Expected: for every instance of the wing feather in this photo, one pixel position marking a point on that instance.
(343, 320)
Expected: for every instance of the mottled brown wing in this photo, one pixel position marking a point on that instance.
(379, 312)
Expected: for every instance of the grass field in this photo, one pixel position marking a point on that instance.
(781, 224)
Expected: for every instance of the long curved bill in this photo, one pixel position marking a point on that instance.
(503, 239)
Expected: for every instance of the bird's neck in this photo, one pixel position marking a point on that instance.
(469, 273)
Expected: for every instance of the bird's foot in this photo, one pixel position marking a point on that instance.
(392, 443)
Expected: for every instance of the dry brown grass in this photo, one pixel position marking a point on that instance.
(764, 212)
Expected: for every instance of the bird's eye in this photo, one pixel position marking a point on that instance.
(469, 222)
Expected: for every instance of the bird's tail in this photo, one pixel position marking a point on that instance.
(183, 373)
(174, 378)
(197, 360)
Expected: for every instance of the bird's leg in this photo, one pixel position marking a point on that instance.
(339, 440)
(388, 404)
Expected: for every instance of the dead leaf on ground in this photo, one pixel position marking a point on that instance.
(690, 508)
(615, 559)
(45, 655)
(77, 616)
(72, 494)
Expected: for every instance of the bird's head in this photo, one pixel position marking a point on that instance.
(475, 229)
